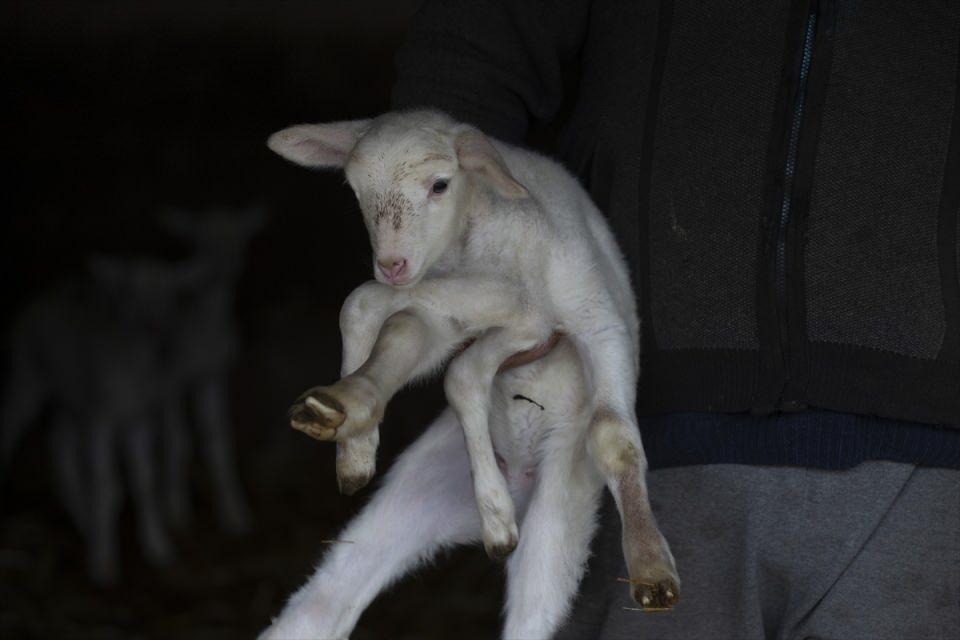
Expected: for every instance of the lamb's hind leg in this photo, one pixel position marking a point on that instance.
(426, 503)
(175, 470)
(548, 564)
(66, 450)
(106, 494)
(140, 446)
(216, 440)
(614, 445)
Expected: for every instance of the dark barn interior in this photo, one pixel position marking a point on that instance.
(119, 111)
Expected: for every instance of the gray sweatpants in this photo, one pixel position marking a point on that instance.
(782, 553)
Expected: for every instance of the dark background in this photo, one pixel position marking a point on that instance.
(115, 109)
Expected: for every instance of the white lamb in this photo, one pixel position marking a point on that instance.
(475, 239)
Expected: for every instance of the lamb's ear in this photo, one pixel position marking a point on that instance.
(318, 145)
(475, 153)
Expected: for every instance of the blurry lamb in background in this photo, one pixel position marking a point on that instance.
(203, 344)
(87, 355)
(113, 362)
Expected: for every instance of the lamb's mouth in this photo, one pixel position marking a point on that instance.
(406, 284)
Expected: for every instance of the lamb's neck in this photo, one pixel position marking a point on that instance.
(465, 251)
(449, 261)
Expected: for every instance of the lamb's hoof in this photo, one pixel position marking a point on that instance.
(500, 552)
(349, 485)
(499, 547)
(500, 533)
(655, 596)
(318, 415)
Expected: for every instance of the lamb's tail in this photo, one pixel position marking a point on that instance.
(22, 399)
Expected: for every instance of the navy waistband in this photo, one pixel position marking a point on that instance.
(812, 438)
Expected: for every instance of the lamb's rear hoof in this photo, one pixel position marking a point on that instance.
(318, 415)
(656, 596)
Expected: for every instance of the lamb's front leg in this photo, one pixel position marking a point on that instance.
(216, 445)
(545, 570)
(355, 404)
(361, 317)
(384, 346)
(426, 503)
(467, 386)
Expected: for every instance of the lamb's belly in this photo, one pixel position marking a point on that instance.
(530, 402)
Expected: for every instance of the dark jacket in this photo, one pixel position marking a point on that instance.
(785, 181)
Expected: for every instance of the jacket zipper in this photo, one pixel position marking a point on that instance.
(789, 173)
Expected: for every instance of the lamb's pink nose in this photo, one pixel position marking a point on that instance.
(393, 269)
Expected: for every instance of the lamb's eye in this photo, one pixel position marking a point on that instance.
(440, 185)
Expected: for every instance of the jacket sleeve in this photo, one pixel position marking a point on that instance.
(498, 64)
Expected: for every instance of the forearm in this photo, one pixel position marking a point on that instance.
(497, 65)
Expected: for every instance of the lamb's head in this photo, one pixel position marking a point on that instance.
(415, 175)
